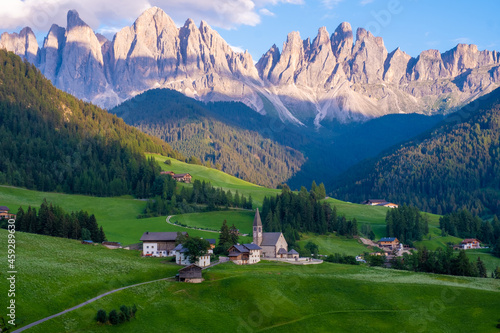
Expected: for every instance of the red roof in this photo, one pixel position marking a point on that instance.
(470, 240)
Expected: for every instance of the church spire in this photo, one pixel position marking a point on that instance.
(257, 228)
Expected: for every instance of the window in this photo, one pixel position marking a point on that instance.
(260, 229)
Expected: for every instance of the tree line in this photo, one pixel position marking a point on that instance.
(52, 220)
(406, 223)
(464, 225)
(292, 213)
(168, 199)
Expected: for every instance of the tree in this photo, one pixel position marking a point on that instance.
(126, 312)
(114, 319)
(312, 248)
(224, 235)
(376, 260)
(496, 249)
(101, 316)
(481, 268)
(196, 247)
(181, 238)
(321, 191)
(85, 234)
(233, 231)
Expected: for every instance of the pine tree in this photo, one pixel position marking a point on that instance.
(481, 268)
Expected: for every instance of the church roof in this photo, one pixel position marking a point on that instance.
(270, 238)
(256, 220)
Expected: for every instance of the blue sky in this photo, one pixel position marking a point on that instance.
(255, 25)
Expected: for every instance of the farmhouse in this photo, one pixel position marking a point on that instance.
(470, 243)
(181, 257)
(159, 244)
(182, 177)
(245, 254)
(4, 213)
(270, 242)
(191, 274)
(379, 202)
(390, 242)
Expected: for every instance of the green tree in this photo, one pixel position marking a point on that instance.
(196, 247)
(481, 268)
(181, 238)
(312, 248)
(114, 319)
(101, 316)
(234, 234)
(224, 235)
(85, 234)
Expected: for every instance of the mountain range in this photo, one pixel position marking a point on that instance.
(343, 77)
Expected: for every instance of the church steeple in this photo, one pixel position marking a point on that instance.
(257, 228)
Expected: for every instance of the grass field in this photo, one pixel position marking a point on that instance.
(218, 179)
(242, 219)
(118, 216)
(286, 298)
(56, 273)
(330, 244)
(489, 259)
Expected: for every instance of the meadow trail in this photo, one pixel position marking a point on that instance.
(168, 221)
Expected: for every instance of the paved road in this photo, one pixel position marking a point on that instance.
(85, 303)
(168, 221)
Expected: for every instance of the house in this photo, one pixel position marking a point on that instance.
(4, 213)
(183, 177)
(390, 242)
(181, 258)
(112, 245)
(379, 202)
(470, 243)
(190, 274)
(293, 254)
(159, 244)
(270, 242)
(212, 242)
(245, 254)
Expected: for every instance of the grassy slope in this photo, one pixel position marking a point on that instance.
(489, 259)
(218, 179)
(242, 219)
(116, 215)
(329, 244)
(55, 273)
(287, 298)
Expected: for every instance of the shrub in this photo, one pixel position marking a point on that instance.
(126, 312)
(101, 316)
(133, 310)
(114, 318)
(168, 162)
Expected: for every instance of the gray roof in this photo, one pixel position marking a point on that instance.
(178, 247)
(159, 236)
(241, 248)
(4, 208)
(292, 251)
(211, 240)
(252, 246)
(256, 220)
(270, 238)
(282, 251)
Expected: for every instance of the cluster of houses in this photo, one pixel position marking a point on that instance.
(180, 177)
(4, 213)
(379, 202)
(270, 245)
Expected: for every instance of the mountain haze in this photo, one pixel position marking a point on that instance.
(343, 76)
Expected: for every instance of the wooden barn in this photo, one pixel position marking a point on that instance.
(191, 274)
(183, 177)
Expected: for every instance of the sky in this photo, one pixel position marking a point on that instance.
(255, 25)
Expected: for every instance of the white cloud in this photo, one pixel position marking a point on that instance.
(237, 49)
(330, 4)
(266, 12)
(40, 14)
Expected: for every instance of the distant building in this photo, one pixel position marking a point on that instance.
(390, 242)
(112, 245)
(293, 254)
(183, 177)
(181, 257)
(245, 254)
(4, 213)
(191, 274)
(212, 243)
(171, 173)
(270, 242)
(379, 202)
(159, 244)
(470, 243)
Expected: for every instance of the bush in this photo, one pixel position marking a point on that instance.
(126, 312)
(114, 319)
(101, 316)
(168, 162)
(133, 310)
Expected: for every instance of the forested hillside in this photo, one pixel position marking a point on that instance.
(51, 141)
(226, 135)
(454, 166)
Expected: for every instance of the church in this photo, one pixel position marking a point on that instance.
(273, 244)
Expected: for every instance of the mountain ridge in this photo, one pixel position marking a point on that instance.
(343, 76)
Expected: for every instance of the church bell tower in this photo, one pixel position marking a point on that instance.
(257, 228)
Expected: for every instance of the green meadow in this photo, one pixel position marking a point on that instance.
(242, 219)
(331, 243)
(287, 298)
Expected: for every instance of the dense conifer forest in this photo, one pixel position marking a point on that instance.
(51, 141)
(225, 135)
(454, 166)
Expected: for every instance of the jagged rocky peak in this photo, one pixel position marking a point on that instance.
(368, 58)
(342, 41)
(74, 20)
(23, 43)
(267, 62)
(395, 66)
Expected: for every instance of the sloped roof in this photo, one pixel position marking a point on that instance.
(387, 239)
(256, 220)
(252, 246)
(179, 175)
(241, 248)
(178, 247)
(282, 251)
(211, 240)
(469, 240)
(190, 267)
(292, 251)
(4, 208)
(159, 236)
(270, 238)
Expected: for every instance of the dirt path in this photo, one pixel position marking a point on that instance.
(168, 221)
(368, 242)
(85, 303)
